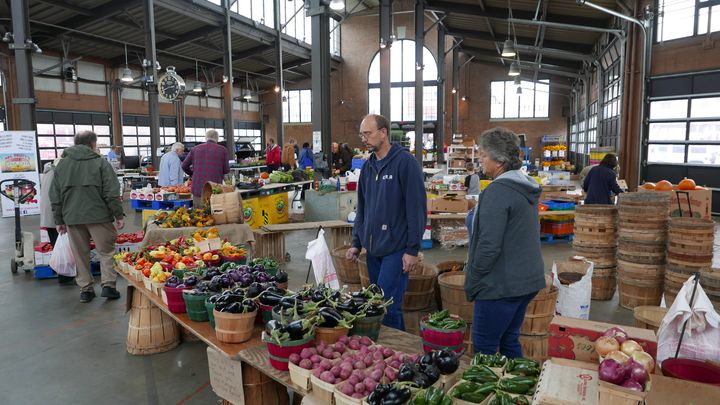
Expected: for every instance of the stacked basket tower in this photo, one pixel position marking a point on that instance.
(690, 250)
(642, 238)
(596, 240)
(536, 325)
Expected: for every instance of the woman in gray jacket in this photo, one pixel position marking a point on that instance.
(46, 215)
(505, 267)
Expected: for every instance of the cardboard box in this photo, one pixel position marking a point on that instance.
(565, 382)
(572, 338)
(683, 201)
(448, 203)
(42, 258)
(165, 196)
(457, 163)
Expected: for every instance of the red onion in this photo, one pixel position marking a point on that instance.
(633, 385)
(618, 333)
(637, 372)
(611, 371)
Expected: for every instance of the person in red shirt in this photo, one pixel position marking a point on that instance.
(206, 162)
(272, 158)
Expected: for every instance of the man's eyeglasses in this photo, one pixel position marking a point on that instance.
(366, 134)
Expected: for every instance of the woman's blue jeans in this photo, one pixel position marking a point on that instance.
(387, 273)
(496, 325)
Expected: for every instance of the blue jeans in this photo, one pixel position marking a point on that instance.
(496, 325)
(387, 273)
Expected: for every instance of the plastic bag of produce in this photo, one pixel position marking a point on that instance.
(573, 278)
(702, 335)
(62, 259)
(319, 253)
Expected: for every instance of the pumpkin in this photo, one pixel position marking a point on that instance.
(686, 184)
(264, 175)
(700, 188)
(648, 186)
(663, 185)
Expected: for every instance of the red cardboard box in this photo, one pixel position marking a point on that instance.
(574, 339)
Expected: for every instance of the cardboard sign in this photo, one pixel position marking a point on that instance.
(574, 339)
(688, 203)
(226, 377)
(565, 382)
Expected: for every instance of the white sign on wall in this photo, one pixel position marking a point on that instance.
(18, 160)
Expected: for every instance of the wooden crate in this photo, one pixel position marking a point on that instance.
(269, 244)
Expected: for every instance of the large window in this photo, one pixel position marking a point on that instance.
(611, 102)
(2, 119)
(297, 106)
(685, 18)
(402, 76)
(249, 131)
(505, 103)
(56, 131)
(195, 129)
(136, 134)
(685, 130)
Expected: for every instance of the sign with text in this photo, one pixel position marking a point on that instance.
(18, 160)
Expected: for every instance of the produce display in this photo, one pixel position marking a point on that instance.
(181, 189)
(623, 360)
(427, 370)
(431, 396)
(473, 392)
(443, 320)
(234, 302)
(664, 185)
(496, 360)
(184, 217)
(508, 381)
(124, 238)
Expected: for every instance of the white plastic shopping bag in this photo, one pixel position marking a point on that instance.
(574, 300)
(702, 334)
(62, 259)
(319, 253)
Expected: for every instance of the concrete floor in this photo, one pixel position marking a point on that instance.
(56, 350)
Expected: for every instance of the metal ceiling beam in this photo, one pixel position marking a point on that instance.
(563, 26)
(563, 64)
(502, 14)
(527, 66)
(484, 36)
(100, 13)
(481, 4)
(286, 66)
(69, 7)
(190, 36)
(557, 53)
(545, 74)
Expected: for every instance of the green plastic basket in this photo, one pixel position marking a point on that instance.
(209, 307)
(369, 326)
(195, 307)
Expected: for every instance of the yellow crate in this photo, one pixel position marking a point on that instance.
(274, 209)
(146, 215)
(251, 212)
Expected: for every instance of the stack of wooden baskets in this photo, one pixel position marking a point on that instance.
(689, 250)
(642, 225)
(347, 271)
(596, 240)
(452, 294)
(536, 326)
(420, 290)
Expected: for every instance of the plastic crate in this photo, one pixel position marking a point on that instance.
(43, 272)
(557, 228)
(426, 244)
(357, 164)
(559, 205)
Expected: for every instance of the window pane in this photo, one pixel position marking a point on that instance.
(374, 101)
(130, 140)
(306, 105)
(170, 131)
(666, 153)
(294, 106)
(705, 107)
(674, 131)
(46, 141)
(408, 62)
(429, 103)
(542, 100)
(396, 61)
(374, 74)
(45, 129)
(408, 103)
(678, 19)
(497, 92)
(143, 130)
(705, 131)
(80, 128)
(526, 100)
(286, 116)
(64, 141)
(430, 70)
(101, 129)
(129, 130)
(61, 129)
(396, 104)
(704, 154)
(511, 100)
(668, 109)
(47, 154)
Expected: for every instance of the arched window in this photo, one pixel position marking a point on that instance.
(402, 77)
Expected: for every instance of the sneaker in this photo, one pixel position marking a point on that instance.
(87, 296)
(110, 293)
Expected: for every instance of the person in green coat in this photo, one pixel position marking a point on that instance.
(85, 200)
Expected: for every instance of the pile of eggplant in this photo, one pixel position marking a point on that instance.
(427, 369)
(233, 301)
(391, 394)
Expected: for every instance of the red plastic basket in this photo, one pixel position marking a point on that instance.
(175, 301)
(264, 314)
(442, 339)
(691, 370)
(279, 354)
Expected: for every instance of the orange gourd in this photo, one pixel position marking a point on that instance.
(700, 188)
(648, 186)
(264, 175)
(686, 184)
(663, 185)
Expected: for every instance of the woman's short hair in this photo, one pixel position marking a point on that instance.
(306, 145)
(502, 146)
(610, 161)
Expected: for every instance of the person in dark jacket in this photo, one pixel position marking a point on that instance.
(305, 158)
(341, 158)
(505, 267)
(391, 214)
(601, 181)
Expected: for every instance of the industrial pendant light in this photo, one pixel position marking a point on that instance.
(127, 73)
(517, 81)
(519, 91)
(197, 88)
(248, 94)
(514, 69)
(508, 50)
(337, 5)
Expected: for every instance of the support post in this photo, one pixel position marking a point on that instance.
(228, 86)
(440, 127)
(385, 44)
(456, 88)
(24, 102)
(278, 73)
(151, 82)
(321, 106)
(419, 42)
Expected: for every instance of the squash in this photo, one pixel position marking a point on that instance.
(686, 184)
(700, 188)
(663, 185)
(648, 186)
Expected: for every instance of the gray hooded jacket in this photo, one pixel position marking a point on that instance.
(504, 258)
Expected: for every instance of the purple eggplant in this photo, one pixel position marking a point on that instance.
(191, 281)
(280, 277)
(262, 277)
(235, 275)
(246, 279)
(172, 282)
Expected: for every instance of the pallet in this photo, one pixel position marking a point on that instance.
(139, 205)
(551, 239)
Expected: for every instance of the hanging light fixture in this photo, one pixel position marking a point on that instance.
(463, 98)
(337, 5)
(514, 69)
(517, 82)
(277, 89)
(127, 73)
(508, 50)
(197, 88)
(248, 94)
(454, 90)
(519, 91)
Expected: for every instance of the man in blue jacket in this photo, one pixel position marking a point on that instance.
(391, 214)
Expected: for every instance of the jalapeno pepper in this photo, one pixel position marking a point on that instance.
(480, 374)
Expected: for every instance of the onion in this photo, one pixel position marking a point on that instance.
(605, 345)
(618, 333)
(630, 346)
(633, 385)
(611, 371)
(618, 356)
(637, 372)
(645, 359)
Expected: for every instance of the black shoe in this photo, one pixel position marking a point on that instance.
(65, 279)
(110, 293)
(87, 296)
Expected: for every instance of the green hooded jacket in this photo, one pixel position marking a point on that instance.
(85, 189)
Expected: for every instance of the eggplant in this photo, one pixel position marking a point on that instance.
(254, 290)
(427, 358)
(214, 299)
(269, 298)
(376, 397)
(233, 308)
(280, 277)
(374, 310)
(421, 380)
(191, 281)
(249, 305)
(262, 277)
(297, 329)
(330, 317)
(291, 301)
(172, 282)
(273, 325)
(346, 307)
(407, 372)
(396, 396)
(432, 373)
(374, 289)
(211, 272)
(447, 361)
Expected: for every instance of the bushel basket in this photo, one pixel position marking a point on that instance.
(442, 339)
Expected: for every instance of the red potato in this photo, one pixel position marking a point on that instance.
(317, 372)
(315, 358)
(359, 365)
(369, 383)
(336, 355)
(325, 364)
(347, 388)
(395, 364)
(354, 345)
(359, 388)
(388, 352)
(376, 374)
(294, 358)
(364, 349)
(345, 374)
(328, 353)
(306, 364)
(365, 341)
(335, 370)
(354, 379)
(327, 377)
(359, 396)
(377, 355)
(344, 339)
(312, 350)
(340, 347)
(391, 374)
(368, 361)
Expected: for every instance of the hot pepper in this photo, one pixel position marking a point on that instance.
(480, 374)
